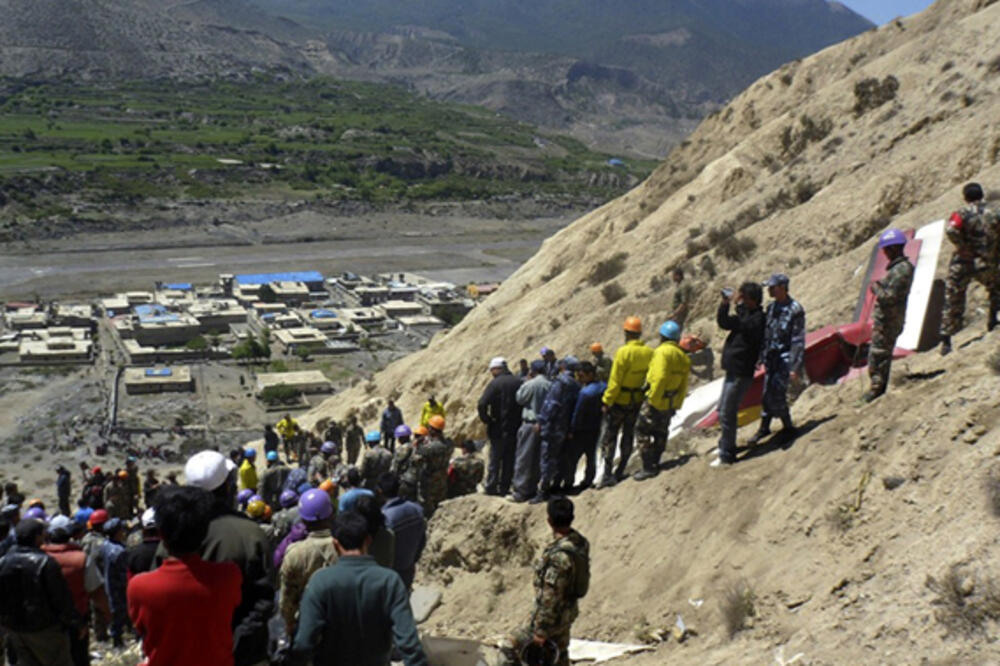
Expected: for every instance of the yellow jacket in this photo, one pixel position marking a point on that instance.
(668, 377)
(286, 428)
(428, 411)
(628, 372)
(248, 476)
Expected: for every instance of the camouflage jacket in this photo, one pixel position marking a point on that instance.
(377, 461)
(603, 367)
(281, 523)
(555, 592)
(431, 463)
(402, 463)
(302, 560)
(319, 468)
(465, 474)
(353, 437)
(118, 500)
(891, 293)
(785, 333)
(683, 295)
(975, 231)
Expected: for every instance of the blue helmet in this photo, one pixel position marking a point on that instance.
(671, 330)
(891, 237)
(272, 456)
(373, 436)
(250, 453)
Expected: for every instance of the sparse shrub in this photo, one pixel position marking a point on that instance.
(694, 232)
(871, 93)
(612, 293)
(964, 604)
(994, 66)
(737, 606)
(633, 223)
(708, 267)
(694, 247)
(608, 269)
(841, 518)
(736, 249)
(796, 138)
(553, 273)
(993, 362)
(554, 323)
(282, 394)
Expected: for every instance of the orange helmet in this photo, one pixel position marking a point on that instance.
(596, 348)
(267, 512)
(327, 486)
(122, 474)
(421, 430)
(692, 343)
(35, 502)
(633, 325)
(436, 422)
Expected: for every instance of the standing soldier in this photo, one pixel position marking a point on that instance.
(376, 461)
(602, 364)
(683, 298)
(622, 399)
(667, 378)
(353, 436)
(891, 293)
(466, 471)
(273, 480)
(306, 557)
(334, 432)
(430, 461)
(116, 496)
(562, 576)
(320, 468)
(134, 485)
(402, 461)
(974, 231)
(783, 353)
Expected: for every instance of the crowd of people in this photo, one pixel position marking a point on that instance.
(309, 556)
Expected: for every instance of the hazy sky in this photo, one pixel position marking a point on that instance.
(881, 11)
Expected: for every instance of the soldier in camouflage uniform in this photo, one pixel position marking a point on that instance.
(353, 437)
(134, 485)
(306, 557)
(974, 231)
(376, 462)
(466, 472)
(562, 576)
(430, 462)
(682, 300)
(891, 293)
(602, 363)
(402, 467)
(782, 354)
(319, 468)
(118, 496)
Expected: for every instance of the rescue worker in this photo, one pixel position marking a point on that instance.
(319, 465)
(891, 293)
(248, 470)
(602, 364)
(974, 230)
(782, 354)
(376, 461)
(667, 379)
(740, 355)
(430, 408)
(585, 424)
(273, 480)
(391, 419)
(499, 410)
(306, 557)
(402, 461)
(288, 428)
(554, 421)
(622, 400)
(465, 472)
(562, 577)
(117, 499)
(683, 298)
(430, 461)
(286, 516)
(353, 436)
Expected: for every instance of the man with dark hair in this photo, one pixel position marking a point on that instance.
(499, 410)
(36, 606)
(183, 611)
(355, 611)
(140, 557)
(350, 483)
(739, 359)
(554, 419)
(63, 489)
(466, 471)
(271, 439)
(975, 232)
(406, 520)
(562, 576)
(232, 537)
(392, 418)
(683, 298)
(383, 546)
(585, 423)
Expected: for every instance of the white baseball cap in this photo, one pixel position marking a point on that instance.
(149, 518)
(60, 523)
(498, 362)
(208, 470)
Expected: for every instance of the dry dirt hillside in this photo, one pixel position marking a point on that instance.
(838, 535)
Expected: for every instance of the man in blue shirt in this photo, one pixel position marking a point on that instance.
(406, 520)
(585, 424)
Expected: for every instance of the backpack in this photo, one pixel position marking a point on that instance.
(581, 570)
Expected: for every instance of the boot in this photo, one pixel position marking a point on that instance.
(869, 396)
(761, 433)
(650, 467)
(945, 345)
(607, 478)
(543, 493)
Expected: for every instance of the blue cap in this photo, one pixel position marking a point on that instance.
(373, 436)
(538, 367)
(572, 363)
(776, 279)
(272, 456)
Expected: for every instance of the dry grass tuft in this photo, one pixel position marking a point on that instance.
(964, 604)
(737, 607)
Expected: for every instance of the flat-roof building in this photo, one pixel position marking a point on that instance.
(176, 379)
(307, 337)
(306, 381)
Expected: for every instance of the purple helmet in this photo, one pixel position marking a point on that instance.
(288, 498)
(328, 448)
(891, 237)
(35, 513)
(243, 497)
(402, 431)
(255, 497)
(315, 505)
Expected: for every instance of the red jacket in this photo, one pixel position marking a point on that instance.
(73, 562)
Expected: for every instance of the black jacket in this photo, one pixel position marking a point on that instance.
(498, 407)
(35, 594)
(746, 335)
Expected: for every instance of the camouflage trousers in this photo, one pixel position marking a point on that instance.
(774, 402)
(960, 273)
(512, 646)
(651, 431)
(620, 418)
(880, 355)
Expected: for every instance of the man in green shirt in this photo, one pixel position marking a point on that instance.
(353, 612)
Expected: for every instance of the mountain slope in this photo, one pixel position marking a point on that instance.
(797, 174)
